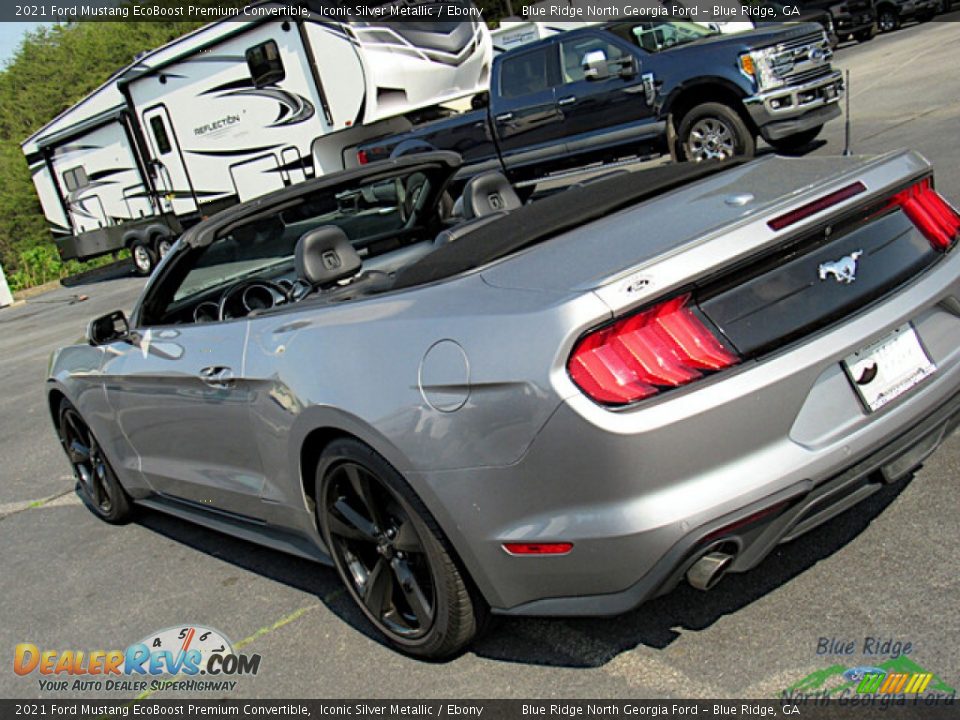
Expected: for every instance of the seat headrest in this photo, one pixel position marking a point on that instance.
(325, 256)
(487, 193)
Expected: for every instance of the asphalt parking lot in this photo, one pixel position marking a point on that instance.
(886, 570)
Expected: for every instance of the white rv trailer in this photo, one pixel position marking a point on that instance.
(237, 109)
(90, 176)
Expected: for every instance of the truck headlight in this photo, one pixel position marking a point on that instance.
(758, 66)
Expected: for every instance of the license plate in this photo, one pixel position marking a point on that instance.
(888, 368)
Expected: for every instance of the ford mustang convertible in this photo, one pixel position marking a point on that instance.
(564, 407)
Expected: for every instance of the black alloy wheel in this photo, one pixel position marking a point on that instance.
(394, 561)
(96, 481)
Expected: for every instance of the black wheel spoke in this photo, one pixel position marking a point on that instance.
(378, 591)
(360, 482)
(406, 539)
(357, 527)
(78, 452)
(96, 487)
(412, 592)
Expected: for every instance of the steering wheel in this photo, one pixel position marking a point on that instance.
(244, 285)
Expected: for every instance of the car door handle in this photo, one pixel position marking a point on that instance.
(567, 100)
(217, 376)
(504, 117)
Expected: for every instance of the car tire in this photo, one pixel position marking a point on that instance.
(713, 131)
(796, 142)
(888, 19)
(97, 483)
(865, 35)
(144, 257)
(392, 556)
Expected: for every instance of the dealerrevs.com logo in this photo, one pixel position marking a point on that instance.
(187, 657)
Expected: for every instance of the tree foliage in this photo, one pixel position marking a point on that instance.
(53, 68)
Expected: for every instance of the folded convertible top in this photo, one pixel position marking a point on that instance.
(551, 216)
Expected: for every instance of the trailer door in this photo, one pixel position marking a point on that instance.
(173, 182)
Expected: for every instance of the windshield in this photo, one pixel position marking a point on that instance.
(264, 246)
(656, 36)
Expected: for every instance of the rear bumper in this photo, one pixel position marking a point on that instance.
(792, 109)
(785, 516)
(640, 492)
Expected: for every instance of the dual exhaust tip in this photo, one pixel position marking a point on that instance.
(706, 572)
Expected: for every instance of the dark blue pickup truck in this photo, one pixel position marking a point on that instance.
(637, 88)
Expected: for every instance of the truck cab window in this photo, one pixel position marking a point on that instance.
(160, 134)
(525, 74)
(266, 67)
(573, 53)
(656, 36)
(75, 178)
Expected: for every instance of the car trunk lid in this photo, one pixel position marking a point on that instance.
(760, 286)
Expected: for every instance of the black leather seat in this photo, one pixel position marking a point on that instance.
(324, 256)
(488, 193)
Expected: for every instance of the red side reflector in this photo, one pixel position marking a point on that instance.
(362, 157)
(663, 347)
(812, 208)
(933, 217)
(538, 548)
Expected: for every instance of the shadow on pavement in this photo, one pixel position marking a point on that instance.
(119, 269)
(560, 642)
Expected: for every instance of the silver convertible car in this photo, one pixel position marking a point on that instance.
(557, 408)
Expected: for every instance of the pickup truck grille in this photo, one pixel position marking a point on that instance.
(814, 38)
(810, 75)
(809, 55)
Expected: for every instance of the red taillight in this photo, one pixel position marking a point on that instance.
(362, 157)
(634, 358)
(933, 217)
(561, 548)
(818, 205)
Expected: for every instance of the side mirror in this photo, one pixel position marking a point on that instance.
(108, 328)
(595, 65)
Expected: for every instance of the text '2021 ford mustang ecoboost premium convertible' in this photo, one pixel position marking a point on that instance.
(559, 408)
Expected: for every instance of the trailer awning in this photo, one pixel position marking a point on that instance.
(81, 128)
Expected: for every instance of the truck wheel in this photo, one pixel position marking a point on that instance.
(797, 141)
(888, 19)
(163, 246)
(144, 258)
(865, 35)
(712, 131)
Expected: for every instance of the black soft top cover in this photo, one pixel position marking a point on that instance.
(551, 216)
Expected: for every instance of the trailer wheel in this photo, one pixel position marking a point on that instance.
(163, 246)
(144, 257)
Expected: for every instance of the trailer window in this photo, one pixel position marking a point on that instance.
(75, 178)
(160, 134)
(266, 67)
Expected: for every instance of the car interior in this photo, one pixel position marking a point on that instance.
(331, 245)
